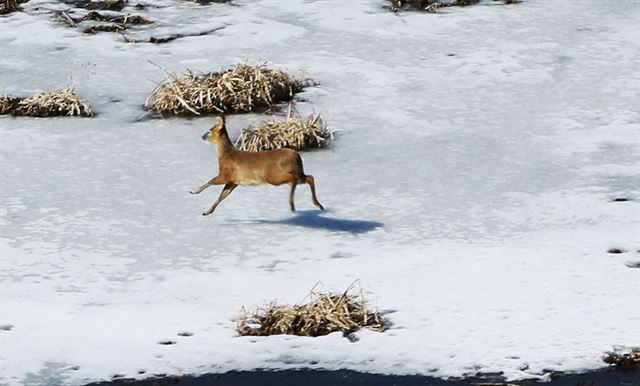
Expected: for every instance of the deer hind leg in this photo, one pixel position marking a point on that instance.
(214, 181)
(291, 194)
(309, 180)
(226, 191)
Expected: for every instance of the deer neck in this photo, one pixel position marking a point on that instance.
(224, 147)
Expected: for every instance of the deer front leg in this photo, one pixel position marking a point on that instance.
(214, 181)
(228, 188)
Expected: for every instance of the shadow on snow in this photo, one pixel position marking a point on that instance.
(316, 220)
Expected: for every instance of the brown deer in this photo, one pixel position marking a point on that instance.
(236, 167)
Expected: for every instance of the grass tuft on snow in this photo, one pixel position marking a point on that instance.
(293, 133)
(625, 359)
(241, 89)
(94, 21)
(8, 104)
(432, 6)
(47, 104)
(323, 314)
(8, 6)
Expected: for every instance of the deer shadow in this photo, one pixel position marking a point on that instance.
(315, 220)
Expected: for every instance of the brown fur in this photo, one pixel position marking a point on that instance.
(236, 167)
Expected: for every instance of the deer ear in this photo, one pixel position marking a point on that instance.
(219, 122)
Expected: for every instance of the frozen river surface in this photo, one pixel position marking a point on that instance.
(470, 189)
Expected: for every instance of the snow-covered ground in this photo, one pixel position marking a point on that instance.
(469, 189)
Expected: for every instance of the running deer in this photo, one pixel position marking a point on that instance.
(236, 167)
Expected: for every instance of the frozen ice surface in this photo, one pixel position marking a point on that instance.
(470, 190)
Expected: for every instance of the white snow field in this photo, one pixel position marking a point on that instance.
(470, 189)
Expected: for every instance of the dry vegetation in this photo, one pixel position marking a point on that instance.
(241, 89)
(7, 104)
(112, 23)
(293, 133)
(205, 2)
(46, 104)
(432, 6)
(110, 16)
(8, 6)
(626, 360)
(98, 5)
(94, 21)
(323, 314)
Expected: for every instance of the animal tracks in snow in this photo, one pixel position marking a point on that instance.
(170, 342)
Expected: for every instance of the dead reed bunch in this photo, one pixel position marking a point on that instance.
(323, 314)
(293, 133)
(241, 89)
(625, 359)
(8, 104)
(8, 6)
(432, 6)
(53, 103)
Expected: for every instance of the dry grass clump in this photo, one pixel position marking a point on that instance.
(120, 19)
(8, 104)
(98, 5)
(293, 133)
(432, 6)
(323, 314)
(241, 89)
(104, 27)
(53, 103)
(95, 21)
(205, 2)
(8, 6)
(109, 23)
(429, 5)
(624, 359)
